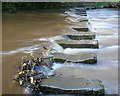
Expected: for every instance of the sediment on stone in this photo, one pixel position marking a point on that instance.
(86, 58)
(81, 29)
(79, 11)
(66, 85)
(78, 43)
(79, 24)
(80, 35)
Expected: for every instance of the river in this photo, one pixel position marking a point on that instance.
(26, 32)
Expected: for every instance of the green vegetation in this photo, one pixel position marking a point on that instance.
(105, 4)
(15, 6)
(18, 6)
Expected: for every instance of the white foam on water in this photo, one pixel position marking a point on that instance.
(23, 50)
(57, 47)
(78, 50)
(26, 91)
(49, 39)
(104, 23)
(57, 66)
(43, 39)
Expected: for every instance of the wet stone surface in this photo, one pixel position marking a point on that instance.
(86, 58)
(80, 35)
(79, 11)
(80, 26)
(78, 43)
(66, 85)
(81, 29)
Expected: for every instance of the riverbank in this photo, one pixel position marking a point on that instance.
(22, 6)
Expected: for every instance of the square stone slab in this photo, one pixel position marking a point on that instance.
(78, 43)
(80, 35)
(81, 29)
(70, 85)
(86, 58)
(83, 24)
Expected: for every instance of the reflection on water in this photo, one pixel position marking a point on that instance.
(26, 32)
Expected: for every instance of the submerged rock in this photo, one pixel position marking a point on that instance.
(80, 35)
(78, 43)
(87, 58)
(64, 85)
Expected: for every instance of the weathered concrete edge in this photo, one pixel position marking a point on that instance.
(79, 45)
(54, 90)
(82, 37)
(89, 61)
(80, 29)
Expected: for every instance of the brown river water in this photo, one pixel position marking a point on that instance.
(26, 32)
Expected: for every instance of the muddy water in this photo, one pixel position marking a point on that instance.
(26, 32)
(21, 32)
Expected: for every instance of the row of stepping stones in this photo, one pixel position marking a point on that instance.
(79, 38)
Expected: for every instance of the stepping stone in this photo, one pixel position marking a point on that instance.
(81, 35)
(73, 86)
(78, 43)
(82, 13)
(74, 20)
(86, 58)
(81, 29)
(78, 25)
(81, 26)
(80, 9)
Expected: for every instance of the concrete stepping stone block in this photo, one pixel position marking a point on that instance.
(86, 58)
(68, 85)
(81, 29)
(80, 35)
(78, 43)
